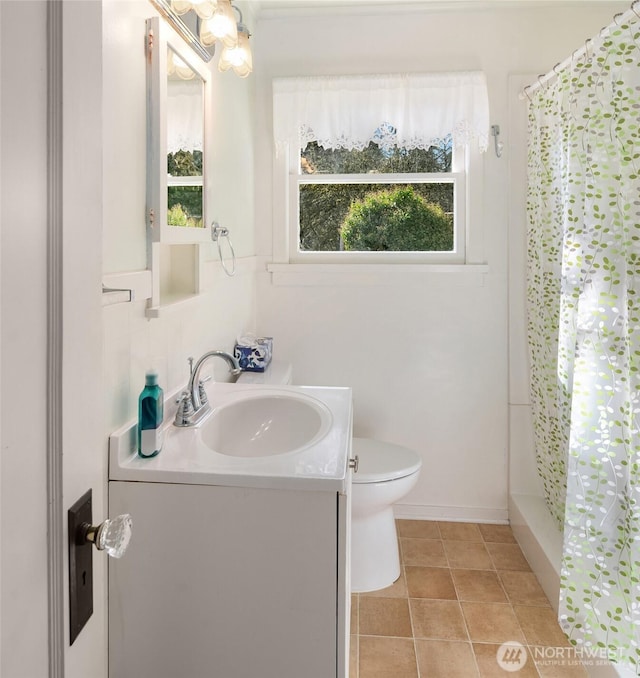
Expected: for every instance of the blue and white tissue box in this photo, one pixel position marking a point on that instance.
(253, 353)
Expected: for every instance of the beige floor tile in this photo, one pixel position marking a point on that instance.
(508, 557)
(446, 659)
(487, 658)
(437, 619)
(468, 555)
(559, 668)
(430, 582)
(384, 617)
(460, 531)
(492, 623)
(540, 626)
(354, 613)
(419, 529)
(500, 600)
(353, 656)
(497, 533)
(425, 552)
(482, 586)
(523, 588)
(397, 590)
(387, 658)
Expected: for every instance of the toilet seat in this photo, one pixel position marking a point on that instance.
(380, 461)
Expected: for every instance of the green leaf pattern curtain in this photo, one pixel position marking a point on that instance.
(584, 333)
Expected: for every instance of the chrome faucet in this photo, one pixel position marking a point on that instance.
(193, 406)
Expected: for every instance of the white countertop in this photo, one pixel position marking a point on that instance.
(185, 459)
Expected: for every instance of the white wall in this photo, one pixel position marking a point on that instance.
(133, 343)
(427, 355)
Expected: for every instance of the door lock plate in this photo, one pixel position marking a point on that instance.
(80, 567)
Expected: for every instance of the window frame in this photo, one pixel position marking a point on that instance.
(458, 177)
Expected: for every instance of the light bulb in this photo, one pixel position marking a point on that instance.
(207, 38)
(239, 57)
(221, 26)
(205, 9)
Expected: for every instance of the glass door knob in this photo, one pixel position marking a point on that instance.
(112, 536)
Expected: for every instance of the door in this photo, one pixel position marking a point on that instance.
(53, 445)
(23, 324)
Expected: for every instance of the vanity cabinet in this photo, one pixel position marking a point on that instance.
(230, 582)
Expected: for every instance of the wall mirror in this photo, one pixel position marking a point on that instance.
(177, 96)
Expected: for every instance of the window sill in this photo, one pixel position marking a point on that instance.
(471, 275)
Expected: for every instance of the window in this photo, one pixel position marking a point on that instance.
(366, 188)
(376, 200)
(184, 189)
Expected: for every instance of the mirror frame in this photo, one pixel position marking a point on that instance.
(160, 37)
(186, 32)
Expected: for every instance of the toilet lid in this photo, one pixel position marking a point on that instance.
(379, 461)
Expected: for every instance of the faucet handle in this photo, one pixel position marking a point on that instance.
(185, 410)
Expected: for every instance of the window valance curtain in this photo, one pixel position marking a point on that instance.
(410, 111)
(184, 116)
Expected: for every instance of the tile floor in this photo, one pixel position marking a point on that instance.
(464, 589)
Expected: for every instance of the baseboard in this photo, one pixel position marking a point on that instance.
(455, 514)
(540, 541)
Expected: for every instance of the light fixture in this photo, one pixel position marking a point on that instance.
(203, 8)
(238, 56)
(216, 22)
(180, 6)
(221, 26)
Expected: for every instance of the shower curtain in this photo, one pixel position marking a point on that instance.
(583, 287)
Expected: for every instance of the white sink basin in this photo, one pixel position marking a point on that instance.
(263, 425)
(284, 437)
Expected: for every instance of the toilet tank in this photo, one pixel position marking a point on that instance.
(277, 373)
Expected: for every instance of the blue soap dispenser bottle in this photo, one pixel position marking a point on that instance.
(150, 415)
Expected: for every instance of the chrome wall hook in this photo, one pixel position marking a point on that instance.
(495, 133)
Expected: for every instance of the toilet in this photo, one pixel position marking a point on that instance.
(385, 474)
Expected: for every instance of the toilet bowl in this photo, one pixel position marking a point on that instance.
(386, 473)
